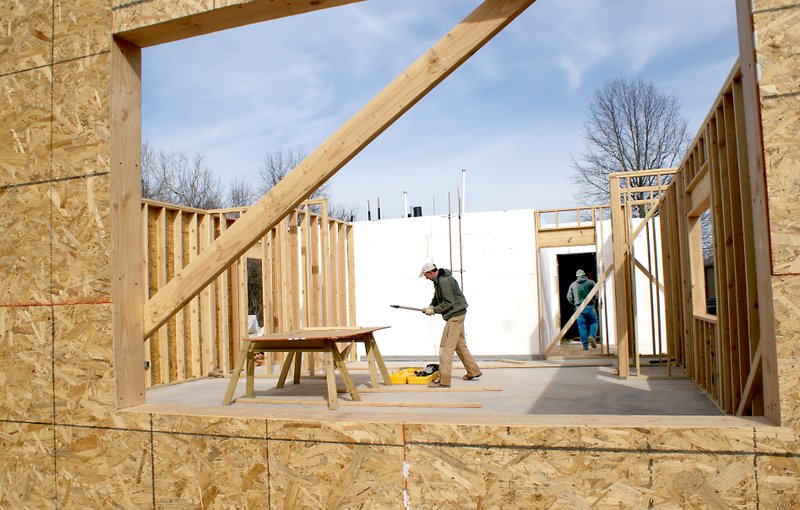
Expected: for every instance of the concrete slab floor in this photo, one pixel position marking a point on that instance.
(511, 389)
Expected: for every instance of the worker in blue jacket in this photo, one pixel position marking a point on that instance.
(587, 320)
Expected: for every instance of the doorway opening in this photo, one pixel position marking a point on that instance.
(568, 264)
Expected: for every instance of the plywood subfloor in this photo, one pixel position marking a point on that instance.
(508, 389)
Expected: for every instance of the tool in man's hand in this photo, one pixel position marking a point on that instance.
(407, 308)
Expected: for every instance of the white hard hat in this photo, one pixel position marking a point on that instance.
(580, 272)
(427, 266)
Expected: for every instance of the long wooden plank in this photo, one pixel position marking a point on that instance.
(620, 266)
(389, 105)
(194, 305)
(422, 388)
(148, 342)
(224, 300)
(758, 197)
(568, 236)
(739, 291)
(751, 384)
(351, 279)
(180, 317)
(234, 15)
(161, 280)
(728, 288)
(361, 403)
(751, 278)
(208, 306)
(127, 288)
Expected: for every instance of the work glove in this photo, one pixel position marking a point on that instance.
(428, 310)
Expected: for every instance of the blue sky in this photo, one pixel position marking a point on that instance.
(511, 116)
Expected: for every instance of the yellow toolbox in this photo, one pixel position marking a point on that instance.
(401, 376)
(425, 379)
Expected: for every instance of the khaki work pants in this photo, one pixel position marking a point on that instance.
(453, 340)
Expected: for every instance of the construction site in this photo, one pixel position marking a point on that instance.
(136, 375)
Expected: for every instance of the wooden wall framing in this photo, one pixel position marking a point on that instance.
(633, 211)
(577, 226)
(307, 280)
(721, 352)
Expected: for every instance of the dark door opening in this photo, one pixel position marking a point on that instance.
(568, 264)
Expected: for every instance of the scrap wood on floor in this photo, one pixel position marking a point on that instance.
(411, 388)
(280, 401)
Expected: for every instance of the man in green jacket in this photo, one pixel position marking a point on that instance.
(587, 320)
(449, 301)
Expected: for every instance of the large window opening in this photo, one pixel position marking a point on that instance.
(475, 115)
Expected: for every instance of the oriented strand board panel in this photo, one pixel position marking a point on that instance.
(81, 28)
(103, 468)
(25, 249)
(703, 481)
(29, 25)
(325, 475)
(81, 126)
(666, 439)
(571, 478)
(81, 240)
(446, 477)
(777, 440)
(131, 15)
(777, 481)
(336, 431)
(781, 121)
(786, 290)
(255, 428)
(26, 377)
(27, 477)
(84, 372)
(778, 39)
(760, 5)
(193, 471)
(25, 117)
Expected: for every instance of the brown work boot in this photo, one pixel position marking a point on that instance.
(592, 342)
(437, 385)
(473, 377)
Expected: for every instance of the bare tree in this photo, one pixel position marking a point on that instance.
(277, 164)
(631, 126)
(240, 194)
(176, 178)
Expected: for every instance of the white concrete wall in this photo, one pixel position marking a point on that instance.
(498, 257)
(498, 281)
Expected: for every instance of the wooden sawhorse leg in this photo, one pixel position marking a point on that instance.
(340, 364)
(245, 354)
(330, 375)
(287, 363)
(374, 358)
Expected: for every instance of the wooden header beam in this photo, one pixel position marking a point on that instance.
(389, 105)
(223, 18)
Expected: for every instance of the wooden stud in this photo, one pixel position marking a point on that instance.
(127, 288)
(751, 116)
(194, 304)
(351, 278)
(145, 272)
(180, 317)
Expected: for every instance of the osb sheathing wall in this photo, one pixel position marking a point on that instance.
(63, 443)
